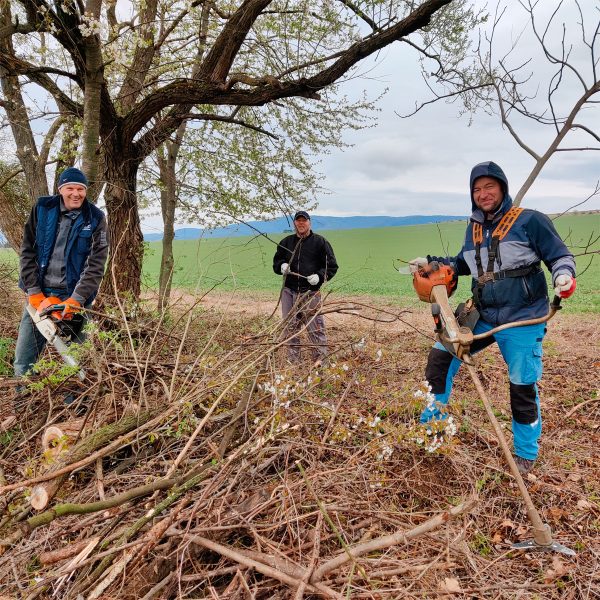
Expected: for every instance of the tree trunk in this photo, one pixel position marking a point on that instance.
(68, 149)
(167, 263)
(94, 79)
(15, 108)
(124, 271)
(14, 210)
(168, 195)
(168, 203)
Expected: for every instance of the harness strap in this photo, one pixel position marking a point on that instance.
(503, 227)
(504, 274)
(507, 221)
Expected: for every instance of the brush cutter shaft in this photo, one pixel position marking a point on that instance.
(541, 531)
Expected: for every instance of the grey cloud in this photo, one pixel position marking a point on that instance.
(384, 158)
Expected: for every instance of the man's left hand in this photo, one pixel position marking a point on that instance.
(313, 279)
(71, 307)
(564, 286)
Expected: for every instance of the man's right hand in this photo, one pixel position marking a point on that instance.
(36, 299)
(50, 301)
(285, 268)
(564, 286)
(416, 263)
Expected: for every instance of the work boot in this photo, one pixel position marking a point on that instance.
(524, 464)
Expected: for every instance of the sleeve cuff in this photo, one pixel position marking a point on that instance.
(563, 271)
(78, 297)
(34, 290)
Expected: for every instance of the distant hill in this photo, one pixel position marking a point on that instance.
(319, 223)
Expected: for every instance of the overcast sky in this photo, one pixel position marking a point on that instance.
(421, 165)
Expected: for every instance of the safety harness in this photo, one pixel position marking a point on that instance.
(484, 277)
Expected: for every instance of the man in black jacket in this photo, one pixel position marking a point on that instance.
(306, 261)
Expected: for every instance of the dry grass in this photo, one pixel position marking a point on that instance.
(292, 480)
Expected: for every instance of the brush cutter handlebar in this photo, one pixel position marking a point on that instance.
(554, 308)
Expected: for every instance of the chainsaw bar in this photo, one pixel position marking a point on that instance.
(50, 332)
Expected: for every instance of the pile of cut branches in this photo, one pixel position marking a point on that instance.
(194, 462)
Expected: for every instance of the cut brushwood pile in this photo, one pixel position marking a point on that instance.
(195, 463)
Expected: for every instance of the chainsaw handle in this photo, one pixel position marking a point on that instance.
(53, 308)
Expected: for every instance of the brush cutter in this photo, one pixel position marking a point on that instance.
(47, 325)
(433, 284)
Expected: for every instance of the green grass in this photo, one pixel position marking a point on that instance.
(366, 258)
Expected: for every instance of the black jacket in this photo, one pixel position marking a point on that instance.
(312, 254)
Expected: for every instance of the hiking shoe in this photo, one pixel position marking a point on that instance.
(524, 464)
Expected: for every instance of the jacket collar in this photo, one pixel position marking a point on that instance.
(478, 217)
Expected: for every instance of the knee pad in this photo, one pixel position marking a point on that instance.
(523, 404)
(438, 363)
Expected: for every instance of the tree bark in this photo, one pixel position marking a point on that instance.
(68, 148)
(168, 204)
(167, 163)
(15, 205)
(94, 80)
(124, 270)
(27, 152)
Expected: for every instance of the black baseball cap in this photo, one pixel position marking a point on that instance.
(302, 213)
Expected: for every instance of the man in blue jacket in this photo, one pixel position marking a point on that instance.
(503, 250)
(62, 261)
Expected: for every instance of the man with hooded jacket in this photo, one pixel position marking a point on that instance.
(62, 259)
(508, 285)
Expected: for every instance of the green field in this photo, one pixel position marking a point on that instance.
(366, 258)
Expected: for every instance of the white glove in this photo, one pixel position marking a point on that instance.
(416, 263)
(285, 268)
(564, 286)
(313, 279)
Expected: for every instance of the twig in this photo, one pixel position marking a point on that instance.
(400, 537)
(580, 405)
(313, 561)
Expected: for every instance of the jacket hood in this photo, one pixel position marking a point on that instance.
(490, 169)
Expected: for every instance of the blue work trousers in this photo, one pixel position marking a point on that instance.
(521, 348)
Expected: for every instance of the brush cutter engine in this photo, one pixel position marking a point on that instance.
(433, 274)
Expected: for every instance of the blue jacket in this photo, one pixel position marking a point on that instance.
(532, 239)
(85, 247)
